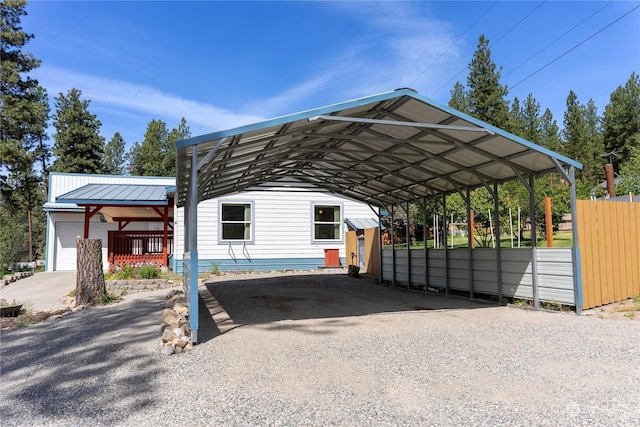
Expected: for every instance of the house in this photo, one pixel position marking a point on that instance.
(271, 229)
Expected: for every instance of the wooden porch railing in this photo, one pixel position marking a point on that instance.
(138, 247)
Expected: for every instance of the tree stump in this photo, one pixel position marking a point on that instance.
(90, 277)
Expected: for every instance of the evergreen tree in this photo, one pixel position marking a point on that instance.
(531, 121)
(486, 96)
(621, 121)
(23, 121)
(459, 100)
(550, 132)
(593, 151)
(517, 121)
(156, 155)
(148, 159)
(176, 134)
(114, 155)
(575, 129)
(78, 145)
(630, 170)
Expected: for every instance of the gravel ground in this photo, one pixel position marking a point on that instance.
(323, 349)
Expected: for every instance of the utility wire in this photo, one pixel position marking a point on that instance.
(492, 44)
(452, 44)
(553, 42)
(576, 46)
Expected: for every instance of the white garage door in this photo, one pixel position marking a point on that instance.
(66, 234)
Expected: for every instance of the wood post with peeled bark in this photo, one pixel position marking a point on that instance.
(90, 277)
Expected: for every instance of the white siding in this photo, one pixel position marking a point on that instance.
(282, 226)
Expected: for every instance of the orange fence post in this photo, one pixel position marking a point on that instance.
(549, 221)
(472, 228)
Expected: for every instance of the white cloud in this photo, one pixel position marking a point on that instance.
(134, 97)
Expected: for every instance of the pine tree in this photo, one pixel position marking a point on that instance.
(156, 155)
(621, 121)
(23, 121)
(630, 170)
(486, 96)
(114, 155)
(78, 145)
(459, 99)
(550, 132)
(583, 139)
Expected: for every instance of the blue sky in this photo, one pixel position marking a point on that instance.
(224, 64)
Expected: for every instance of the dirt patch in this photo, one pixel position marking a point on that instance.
(29, 318)
(623, 310)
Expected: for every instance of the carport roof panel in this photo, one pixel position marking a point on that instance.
(383, 149)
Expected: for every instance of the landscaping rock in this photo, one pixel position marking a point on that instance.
(173, 324)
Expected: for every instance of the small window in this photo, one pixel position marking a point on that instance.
(327, 222)
(236, 221)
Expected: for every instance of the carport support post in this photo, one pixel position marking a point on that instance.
(496, 222)
(575, 250)
(425, 234)
(393, 248)
(191, 229)
(408, 239)
(444, 237)
(534, 243)
(469, 241)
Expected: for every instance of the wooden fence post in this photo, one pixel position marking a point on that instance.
(90, 277)
(549, 221)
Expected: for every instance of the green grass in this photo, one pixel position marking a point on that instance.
(561, 239)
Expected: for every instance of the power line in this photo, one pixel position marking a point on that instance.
(576, 46)
(553, 42)
(452, 44)
(518, 23)
(493, 44)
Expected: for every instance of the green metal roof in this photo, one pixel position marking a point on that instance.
(118, 194)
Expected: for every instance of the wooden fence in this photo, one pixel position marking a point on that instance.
(609, 240)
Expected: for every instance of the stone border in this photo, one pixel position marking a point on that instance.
(133, 286)
(10, 278)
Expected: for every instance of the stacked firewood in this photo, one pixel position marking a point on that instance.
(175, 324)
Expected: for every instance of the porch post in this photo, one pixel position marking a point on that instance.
(165, 236)
(87, 215)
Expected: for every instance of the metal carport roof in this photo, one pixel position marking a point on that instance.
(384, 149)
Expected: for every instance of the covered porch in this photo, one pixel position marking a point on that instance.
(128, 204)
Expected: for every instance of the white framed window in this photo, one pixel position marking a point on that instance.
(236, 222)
(327, 222)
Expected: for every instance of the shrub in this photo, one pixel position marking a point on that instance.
(148, 272)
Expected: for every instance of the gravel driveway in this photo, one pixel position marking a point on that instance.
(323, 349)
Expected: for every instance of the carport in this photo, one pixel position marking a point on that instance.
(385, 150)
